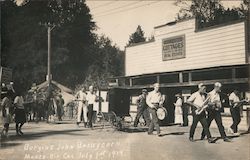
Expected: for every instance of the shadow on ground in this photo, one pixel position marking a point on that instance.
(7, 142)
(173, 133)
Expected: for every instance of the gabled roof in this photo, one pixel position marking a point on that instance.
(60, 86)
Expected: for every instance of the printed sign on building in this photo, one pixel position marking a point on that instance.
(173, 48)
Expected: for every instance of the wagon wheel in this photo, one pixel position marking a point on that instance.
(142, 121)
(101, 119)
(112, 119)
(116, 121)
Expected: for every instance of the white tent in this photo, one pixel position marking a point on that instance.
(66, 93)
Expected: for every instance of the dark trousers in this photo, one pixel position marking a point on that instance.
(215, 115)
(202, 119)
(142, 111)
(185, 115)
(154, 121)
(235, 112)
(90, 114)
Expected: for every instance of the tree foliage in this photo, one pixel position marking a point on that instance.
(107, 64)
(137, 36)
(74, 45)
(210, 12)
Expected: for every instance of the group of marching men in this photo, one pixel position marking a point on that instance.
(206, 107)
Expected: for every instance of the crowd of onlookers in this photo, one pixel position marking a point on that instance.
(15, 107)
(40, 105)
(12, 106)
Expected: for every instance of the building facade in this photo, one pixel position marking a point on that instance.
(181, 56)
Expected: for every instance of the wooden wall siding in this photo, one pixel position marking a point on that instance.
(221, 46)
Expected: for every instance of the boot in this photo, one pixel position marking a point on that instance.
(17, 132)
(21, 133)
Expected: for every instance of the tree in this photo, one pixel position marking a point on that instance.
(108, 63)
(137, 36)
(210, 12)
(24, 41)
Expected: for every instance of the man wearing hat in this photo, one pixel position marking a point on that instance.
(142, 109)
(234, 99)
(154, 100)
(197, 99)
(214, 111)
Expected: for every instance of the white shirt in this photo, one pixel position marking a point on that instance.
(154, 97)
(19, 102)
(215, 98)
(81, 96)
(196, 98)
(233, 97)
(91, 98)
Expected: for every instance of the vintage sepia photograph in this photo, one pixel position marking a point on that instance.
(124, 79)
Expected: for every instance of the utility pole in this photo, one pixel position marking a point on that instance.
(49, 56)
(49, 27)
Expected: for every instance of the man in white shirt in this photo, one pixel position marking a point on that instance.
(198, 98)
(82, 107)
(235, 111)
(214, 113)
(154, 100)
(91, 99)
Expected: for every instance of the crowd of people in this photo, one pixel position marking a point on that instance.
(10, 109)
(205, 108)
(14, 109)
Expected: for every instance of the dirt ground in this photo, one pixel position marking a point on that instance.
(66, 141)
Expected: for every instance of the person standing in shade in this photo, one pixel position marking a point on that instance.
(60, 103)
(178, 110)
(91, 98)
(214, 111)
(154, 100)
(20, 117)
(142, 109)
(234, 99)
(197, 99)
(6, 105)
(82, 108)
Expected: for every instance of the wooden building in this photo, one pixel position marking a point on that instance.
(181, 56)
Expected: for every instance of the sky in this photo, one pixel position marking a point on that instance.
(117, 19)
